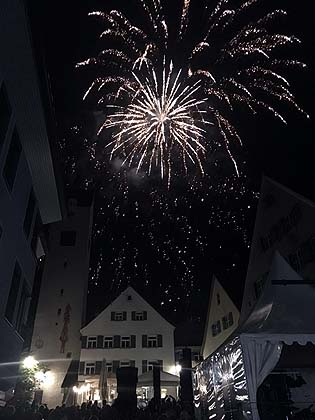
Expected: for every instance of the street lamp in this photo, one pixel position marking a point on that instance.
(30, 362)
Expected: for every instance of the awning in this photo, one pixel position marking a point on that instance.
(167, 379)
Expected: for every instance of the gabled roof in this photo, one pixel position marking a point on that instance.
(128, 290)
(215, 284)
(286, 305)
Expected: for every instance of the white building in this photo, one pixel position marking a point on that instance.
(28, 188)
(129, 332)
(222, 319)
(62, 300)
(285, 221)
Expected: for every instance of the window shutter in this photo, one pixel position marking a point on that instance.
(133, 315)
(124, 316)
(116, 341)
(81, 368)
(160, 340)
(132, 363)
(100, 341)
(231, 318)
(84, 341)
(144, 366)
(144, 341)
(133, 341)
(98, 367)
(160, 363)
(115, 365)
(145, 315)
(112, 316)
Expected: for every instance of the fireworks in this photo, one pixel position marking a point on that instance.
(158, 120)
(162, 116)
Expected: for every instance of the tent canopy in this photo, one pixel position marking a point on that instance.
(167, 379)
(284, 311)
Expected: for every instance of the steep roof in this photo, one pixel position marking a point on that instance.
(128, 290)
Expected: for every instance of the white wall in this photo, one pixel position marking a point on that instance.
(155, 324)
(216, 311)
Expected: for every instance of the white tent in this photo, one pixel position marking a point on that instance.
(283, 314)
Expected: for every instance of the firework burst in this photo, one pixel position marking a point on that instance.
(162, 116)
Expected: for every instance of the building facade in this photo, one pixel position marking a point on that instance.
(28, 188)
(62, 299)
(222, 319)
(284, 222)
(129, 332)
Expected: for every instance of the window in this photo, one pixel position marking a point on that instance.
(12, 160)
(118, 316)
(196, 357)
(13, 294)
(69, 355)
(61, 292)
(21, 320)
(153, 363)
(129, 297)
(125, 342)
(125, 364)
(108, 342)
(152, 341)
(35, 236)
(68, 237)
(59, 312)
(216, 328)
(29, 214)
(89, 368)
(109, 367)
(139, 316)
(230, 318)
(225, 322)
(218, 299)
(5, 114)
(92, 342)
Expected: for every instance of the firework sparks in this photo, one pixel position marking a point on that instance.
(163, 121)
(228, 68)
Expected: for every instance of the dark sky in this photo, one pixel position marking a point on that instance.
(168, 243)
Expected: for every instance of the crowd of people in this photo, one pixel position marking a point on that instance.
(169, 409)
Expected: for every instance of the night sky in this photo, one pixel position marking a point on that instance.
(168, 243)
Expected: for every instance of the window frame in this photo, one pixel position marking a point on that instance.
(90, 339)
(91, 366)
(125, 339)
(107, 340)
(152, 339)
(139, 316)
(119, 316)
(125, 363)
